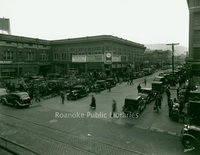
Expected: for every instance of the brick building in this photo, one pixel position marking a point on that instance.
(23, 55)
(103, 53)
(194, 36)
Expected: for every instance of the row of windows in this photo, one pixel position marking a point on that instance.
(29, 44)
(96, 49)
(197, 19)
(9, 55)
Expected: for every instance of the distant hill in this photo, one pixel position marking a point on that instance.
(178, 49)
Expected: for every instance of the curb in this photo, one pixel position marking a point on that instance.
(15, 148)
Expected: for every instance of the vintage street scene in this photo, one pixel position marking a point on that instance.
(100, 77)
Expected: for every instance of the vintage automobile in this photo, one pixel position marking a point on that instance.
(77, 92)
(18, 99)
(111, 81)
(147, 94)
(3, 92)
(95, 88)
(158, 86)
(191, 136)
(161, 79)
(101, 83)
(133, 105)
(194, 106)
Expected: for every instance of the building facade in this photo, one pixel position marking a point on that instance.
(22, 55)
(194, 36)
(109, 54)
(100, 53)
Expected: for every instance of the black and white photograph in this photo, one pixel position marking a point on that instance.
(99, 77)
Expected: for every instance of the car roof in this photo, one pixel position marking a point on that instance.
(157, 82)
(110, 79)
(146, 88)
(159, 77)
(79, 86)
(132, 97)
(19, 93)
(100, 81)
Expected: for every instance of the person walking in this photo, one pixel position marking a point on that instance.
(145, 81)
(62, 94)
(170, 105)
(93, 103)
(139, 88)
(37, 95)
(109, 87)
(159, 99)
(114, 108)
(168, 94)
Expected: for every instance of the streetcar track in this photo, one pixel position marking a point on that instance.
(61, 131)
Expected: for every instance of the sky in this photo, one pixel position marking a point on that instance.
(141, 21)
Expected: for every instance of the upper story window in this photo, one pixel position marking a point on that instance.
(196, 3)
(8, 55)
(197, 36)
(197, 19)
(30, 55)
(43, 57)
(56, 57)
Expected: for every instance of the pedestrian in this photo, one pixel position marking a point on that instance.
(93, 103)
(168, 94)
(145, 81)
(109, 87)
(131, 79)
(114, 108)
(37, 95)
(170, 105)
(31, 94)
(159, 99)
(62, 94)
(139, 88)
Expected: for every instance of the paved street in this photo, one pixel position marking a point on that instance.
(43, 129)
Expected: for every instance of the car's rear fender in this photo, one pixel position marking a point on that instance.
(190, 136)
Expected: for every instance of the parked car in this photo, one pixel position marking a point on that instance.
(102, 84)
(161, 79)
(158, 86)
(77, 92)
(133, 105)
(191, 136)
(3, 92)
(18, 99)
(111, 81)
(147, 94)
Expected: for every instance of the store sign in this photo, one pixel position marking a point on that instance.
(78, 58)
(123, 58)
(5, 62)
(95, 58)
(116, 59)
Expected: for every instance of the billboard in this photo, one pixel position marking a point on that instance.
(78, 58)
(116, 58)
(5, 24)
(95, 58)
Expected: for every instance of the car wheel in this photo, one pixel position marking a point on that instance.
(15, 105)
(188, 142)
(3, 101)
(130, 108)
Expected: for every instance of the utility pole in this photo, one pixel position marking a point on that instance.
(172, 44)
